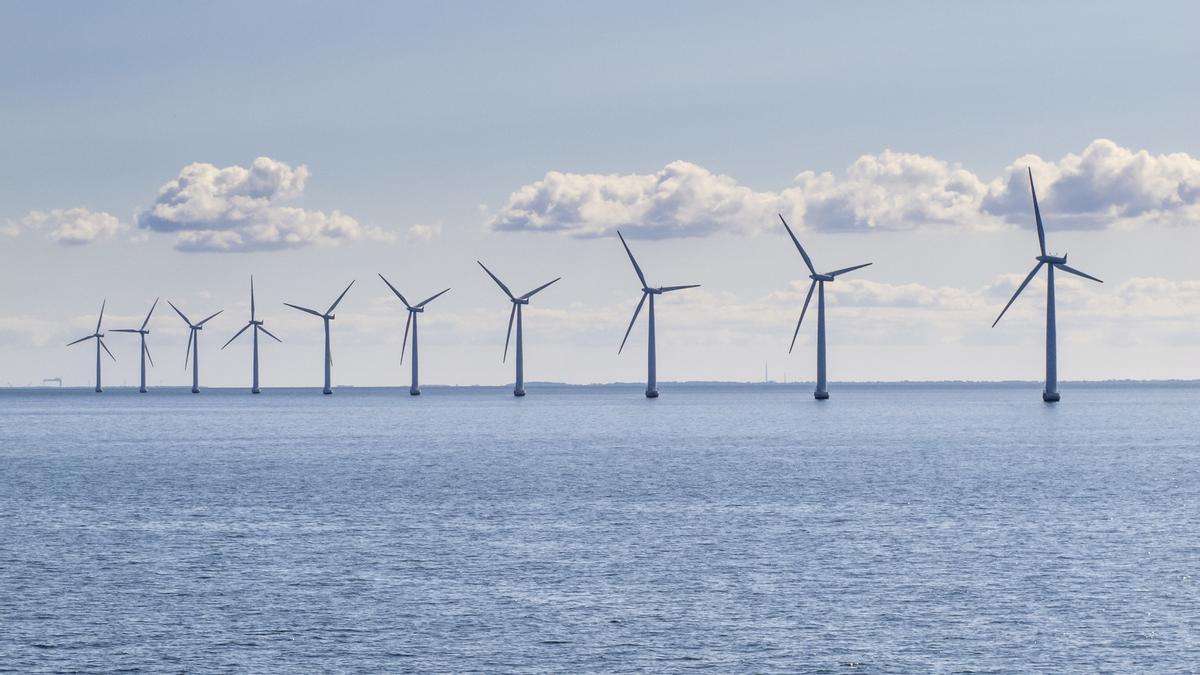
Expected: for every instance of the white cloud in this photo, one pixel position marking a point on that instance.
(1105, 185)
(70, 227)
(239, 209)
(423, 232)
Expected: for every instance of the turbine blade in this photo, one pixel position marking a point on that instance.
(497, 280)
(530, 294)
(1019, 289)
(507, 337)
(431, 298)
(339, 299)
(637, 310)
(398, 293)
(636, 267)
(101, 317)
(305, 309)
(850, 269)
(149, 314)
(209, 317)
(1037, 214)
(404, 343)
(251, 297)
(1076, 272)
(803, 254)
(181, 314)
(187, 355)
(110, 355)
(146, 348)
(807, 298)
(235, 335)
(668, 289)
(80, 340)
(259, 327)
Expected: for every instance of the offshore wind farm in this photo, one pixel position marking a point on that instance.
(955, 462)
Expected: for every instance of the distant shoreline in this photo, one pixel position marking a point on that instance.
(966, 384)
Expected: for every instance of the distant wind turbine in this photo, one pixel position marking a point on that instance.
(647, 292)
(326, 318)
(142, 333)
(818, 283)
(517, 303)
(1050, 392)
(258, 326)
(193, 348)
(99, 338)
(414, 389)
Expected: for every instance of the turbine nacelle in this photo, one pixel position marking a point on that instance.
(520, 301)
(1052, 259)
(821, 277)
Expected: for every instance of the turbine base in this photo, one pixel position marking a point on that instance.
(195, 390)
(651, 393)
(327, 392)
(255, 391)
(99, 390)
(414, 392)
(1051, 396)
(820, 395)
(142, 390)
(518, 392)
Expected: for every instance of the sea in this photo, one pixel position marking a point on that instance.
(895, 528)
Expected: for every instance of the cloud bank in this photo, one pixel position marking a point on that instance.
(69, 227)
(1106, 185)
(244, 209)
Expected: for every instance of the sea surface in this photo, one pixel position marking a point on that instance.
(728, 528)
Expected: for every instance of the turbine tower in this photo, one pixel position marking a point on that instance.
(517, 303)
(99, 338)
(258, 326)
(647, 292)
(142, 333)
(326, 318)
(1050, 392)
(818, 282)
(414, 389)
(193, 347)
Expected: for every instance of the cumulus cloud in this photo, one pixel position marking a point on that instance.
(423, 232)
(70, 227)
(682, 199)
(1103, 186)
(243, 209)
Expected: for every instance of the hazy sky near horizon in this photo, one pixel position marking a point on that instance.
(173, 149)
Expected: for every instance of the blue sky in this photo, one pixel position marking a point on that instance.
(433, 114)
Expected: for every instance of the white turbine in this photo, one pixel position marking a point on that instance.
(517, 303)
(414, 389)
(258, 326)
(193, 346)
(326, 318)
(647, 292)
(145, 351)
(99, 338)
(818, 283)
(1050, 392)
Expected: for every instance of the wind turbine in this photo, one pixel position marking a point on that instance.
(517, 303)
(258, 326)
(193, 348)
(1050, 392)
(326, 318)
(818, 283)
(99, 338)
(647, 291)
(142, 333)
(414, 389)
